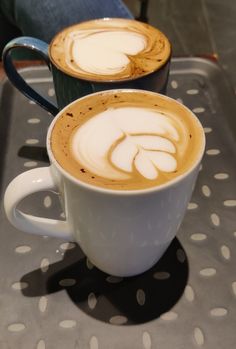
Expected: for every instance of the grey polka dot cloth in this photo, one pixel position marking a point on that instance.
(52, 297)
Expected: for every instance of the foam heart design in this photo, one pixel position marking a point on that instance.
(104, 52)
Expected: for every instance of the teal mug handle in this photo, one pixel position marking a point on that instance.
(41, 48)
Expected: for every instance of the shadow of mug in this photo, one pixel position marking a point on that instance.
(115, 300)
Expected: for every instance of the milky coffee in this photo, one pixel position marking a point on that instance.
(126, 139)
(110, 50)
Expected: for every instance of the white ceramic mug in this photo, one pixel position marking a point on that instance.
(123, 233)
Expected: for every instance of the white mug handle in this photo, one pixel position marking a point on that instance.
(27, 183)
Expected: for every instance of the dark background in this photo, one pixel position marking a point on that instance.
(196, 27)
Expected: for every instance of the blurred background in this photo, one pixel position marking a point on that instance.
(195, 27)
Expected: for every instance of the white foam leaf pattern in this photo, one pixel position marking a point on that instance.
(114, 142)
(154, 143)
(148, 162)
(145, 167)
(123, 155)
(164, 161)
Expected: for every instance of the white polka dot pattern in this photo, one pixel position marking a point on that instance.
(30, 164)
(181, 255)
(118, 320)
(67, 324)
(47, 201)
(62, 215)
(34, 121)
(213, 152)
(44, 265)
(43, 303)
(198, 237)
(189, 293)
(206, 191)
(199, 337)
(41, 344)
(32, 141)
(16, 327)
(147, 342)
(221, 176)
(206, 248)
(93, 343)
(169, 316)
(23, 249)
(234, 287)
(218, 312)
(67, 246)
(92, 300)
(67, 282)
(215, 219)
(174, 84)
(51, 92)
(19, 285)
(89, 264)
(225, 251)
(208, 272)
(141, 297)
(192, 92)
(207, 130)
(161, 275)
(192, 206)
(230, 203)
(114, 279)
(198, 110)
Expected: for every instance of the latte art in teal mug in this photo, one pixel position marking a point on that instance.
(124, 163)
(97, 55)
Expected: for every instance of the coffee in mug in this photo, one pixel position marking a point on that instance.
(96, 55)
(110, 50)
(129, 140)
(124, 163)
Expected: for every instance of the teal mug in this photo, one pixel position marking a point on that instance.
(69, 87)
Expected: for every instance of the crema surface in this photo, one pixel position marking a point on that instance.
(126, 139)
(110, 49)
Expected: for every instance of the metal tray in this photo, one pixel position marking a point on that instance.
(52, 297)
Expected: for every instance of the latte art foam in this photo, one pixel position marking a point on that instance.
(109, 49)
(118, 142)
(126, 139)
(104, 52)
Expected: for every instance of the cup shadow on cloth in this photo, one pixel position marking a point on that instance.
(123, 301)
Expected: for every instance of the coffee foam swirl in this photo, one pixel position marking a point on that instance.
(104, 52)
(109, 49)
(117, 143)
(126, 139)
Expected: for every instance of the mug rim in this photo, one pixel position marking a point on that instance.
(94, 80)
(124, 192)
